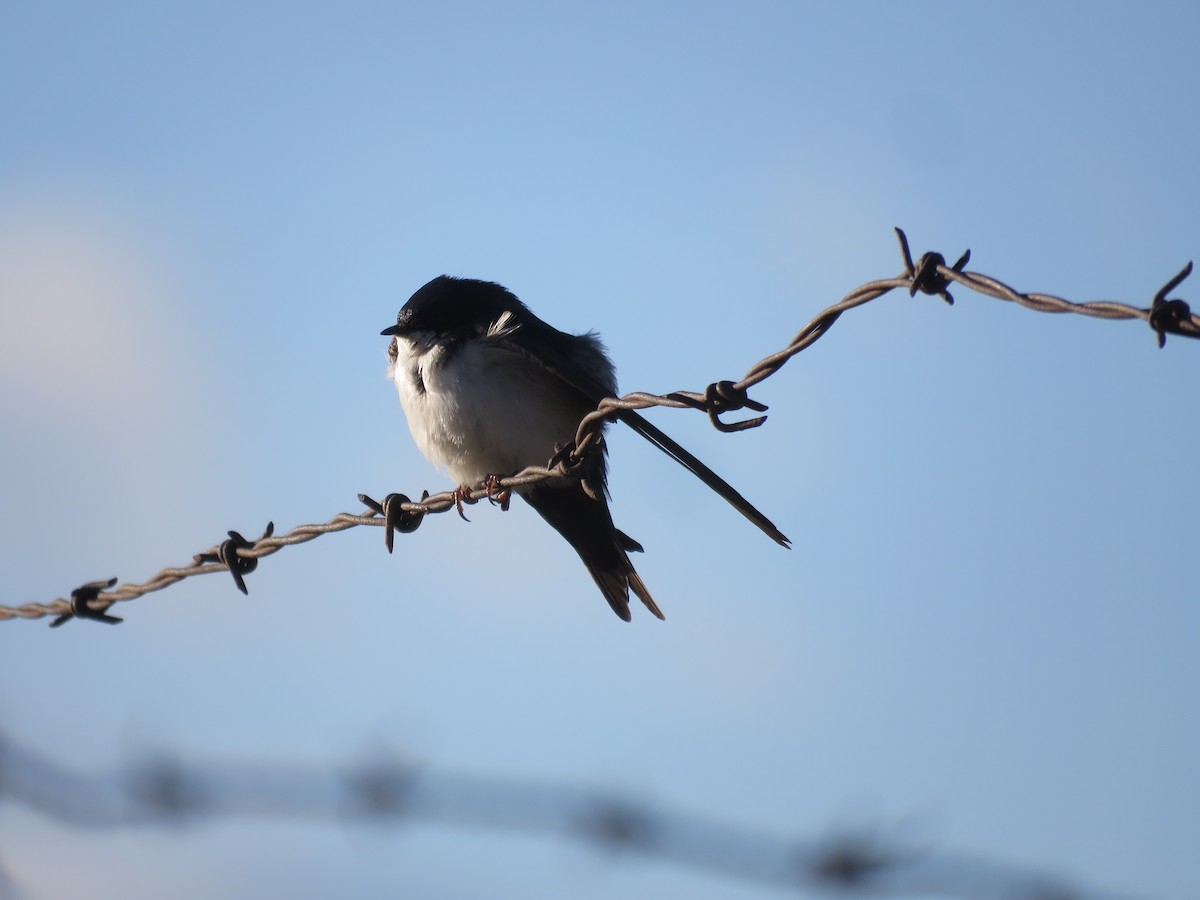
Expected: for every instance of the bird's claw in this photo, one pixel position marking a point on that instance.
(562, 455)
(461, 495)
(497, 494)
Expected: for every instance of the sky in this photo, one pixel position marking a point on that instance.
(983, 640)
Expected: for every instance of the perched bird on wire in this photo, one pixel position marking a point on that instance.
(488, 389)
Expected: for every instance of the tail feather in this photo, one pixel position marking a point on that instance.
(615, 587)
(669, 446)
(635, 582)
(587, 525)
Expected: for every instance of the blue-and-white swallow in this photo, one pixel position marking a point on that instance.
(488, 389)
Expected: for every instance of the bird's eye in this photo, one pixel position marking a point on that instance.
(393, 350)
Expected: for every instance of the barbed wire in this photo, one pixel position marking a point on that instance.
(398, 513)
(393, 791)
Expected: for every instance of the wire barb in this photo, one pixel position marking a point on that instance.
(851, 860)
(396, 516)
(229, 555)
(1172, 316)
(926, 276)
(722, 397)
(617, 825)
(382, 790)
(81, 604)
(165, 790)
(929, 275)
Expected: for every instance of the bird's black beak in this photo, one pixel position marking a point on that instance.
(403, 324)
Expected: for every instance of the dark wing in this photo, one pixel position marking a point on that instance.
(540, 342)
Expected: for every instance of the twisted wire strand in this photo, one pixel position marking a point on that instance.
(929, 275)
(392, 791)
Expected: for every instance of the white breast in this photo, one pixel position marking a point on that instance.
(484, 410)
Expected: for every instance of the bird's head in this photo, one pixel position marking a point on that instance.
(449, 310)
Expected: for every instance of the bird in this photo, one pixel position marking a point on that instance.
(488, 389)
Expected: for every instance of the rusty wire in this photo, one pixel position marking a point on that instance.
(394, 791)
(928, 275)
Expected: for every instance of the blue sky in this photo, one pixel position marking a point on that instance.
(984, 638)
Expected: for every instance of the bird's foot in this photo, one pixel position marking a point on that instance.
(497, 494)
(562, 455)
(461, 495)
